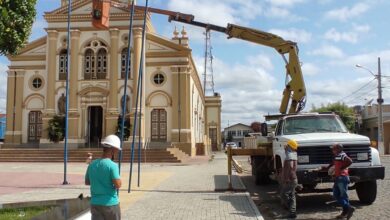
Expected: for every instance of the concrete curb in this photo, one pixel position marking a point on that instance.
(259, 216)
(254, 207)
(234, 173)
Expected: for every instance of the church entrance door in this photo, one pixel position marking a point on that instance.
(34, 126)
(213, 137)
(159, 125)
(95, 125)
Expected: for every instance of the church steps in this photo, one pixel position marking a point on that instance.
(80, 155)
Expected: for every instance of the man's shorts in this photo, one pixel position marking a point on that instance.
(100, 212)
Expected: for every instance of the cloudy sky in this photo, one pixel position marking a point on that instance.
(333, 36)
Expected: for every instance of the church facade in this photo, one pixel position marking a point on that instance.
(175, 110)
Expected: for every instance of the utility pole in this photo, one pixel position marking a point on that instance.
(380, 102)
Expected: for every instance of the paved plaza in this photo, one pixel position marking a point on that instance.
(194, 190)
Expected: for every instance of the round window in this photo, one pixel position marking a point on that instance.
(37, 83)
(158, 78)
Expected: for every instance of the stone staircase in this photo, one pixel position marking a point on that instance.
(80, 155)
(159, 145)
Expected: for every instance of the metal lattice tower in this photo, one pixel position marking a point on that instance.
(208, 75)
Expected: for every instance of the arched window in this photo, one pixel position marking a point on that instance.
(89, 64)
(63, 64)
(95, 60)
(123, 63)
(101, 64)
(127, 108)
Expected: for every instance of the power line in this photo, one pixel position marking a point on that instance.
(354, 92)
(362, 95)
(366, 89)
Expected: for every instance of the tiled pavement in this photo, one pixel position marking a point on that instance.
(194, 192)
(168, 191)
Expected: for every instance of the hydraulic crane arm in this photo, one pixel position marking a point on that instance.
(294, 92)
(295, 88)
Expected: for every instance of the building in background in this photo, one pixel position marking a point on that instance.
(175, 110)
(368, 122)
(213, 120)
(236, 133)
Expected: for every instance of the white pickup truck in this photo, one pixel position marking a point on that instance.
(315, 133)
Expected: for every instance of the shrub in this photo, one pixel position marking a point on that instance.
(126, 130)
(56, 129)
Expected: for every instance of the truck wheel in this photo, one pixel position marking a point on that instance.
(366, 191)
(260, 170)
(262, 178)
(253, 165)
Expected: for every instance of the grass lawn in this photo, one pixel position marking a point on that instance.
(22, 213)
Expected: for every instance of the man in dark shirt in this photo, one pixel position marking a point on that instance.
(289, 178)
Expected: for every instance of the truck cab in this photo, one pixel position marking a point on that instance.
(315, 133)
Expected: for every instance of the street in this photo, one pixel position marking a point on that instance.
(318, 206)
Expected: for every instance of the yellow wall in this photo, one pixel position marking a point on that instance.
(41, 58)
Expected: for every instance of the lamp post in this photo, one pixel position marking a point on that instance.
(380, 102)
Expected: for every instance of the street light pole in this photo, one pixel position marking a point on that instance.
(380, 113)
(380, 102)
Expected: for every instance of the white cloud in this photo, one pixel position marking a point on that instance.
(324, 2)
(281, 9)
(369, 60)
(345, 13)
(214, 12)
(261, 60)
(347, 36)
(248, 89)
(328, 51)
(350, 91)
(293, 34)
(277, 12)
(364, 28)
(39, 24)
(38, 29)
(217, 12)
(282, 13)
(284, 3)
(332, 34)
(310, 69)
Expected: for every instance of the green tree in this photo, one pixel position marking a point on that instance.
(17, 18)
(256, 126)
(126, 129)
(346, 113)
(56, 129)
(229, 137)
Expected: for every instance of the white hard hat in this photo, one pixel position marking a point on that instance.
(112, 141)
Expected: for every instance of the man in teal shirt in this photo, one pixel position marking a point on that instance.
(103, 177)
